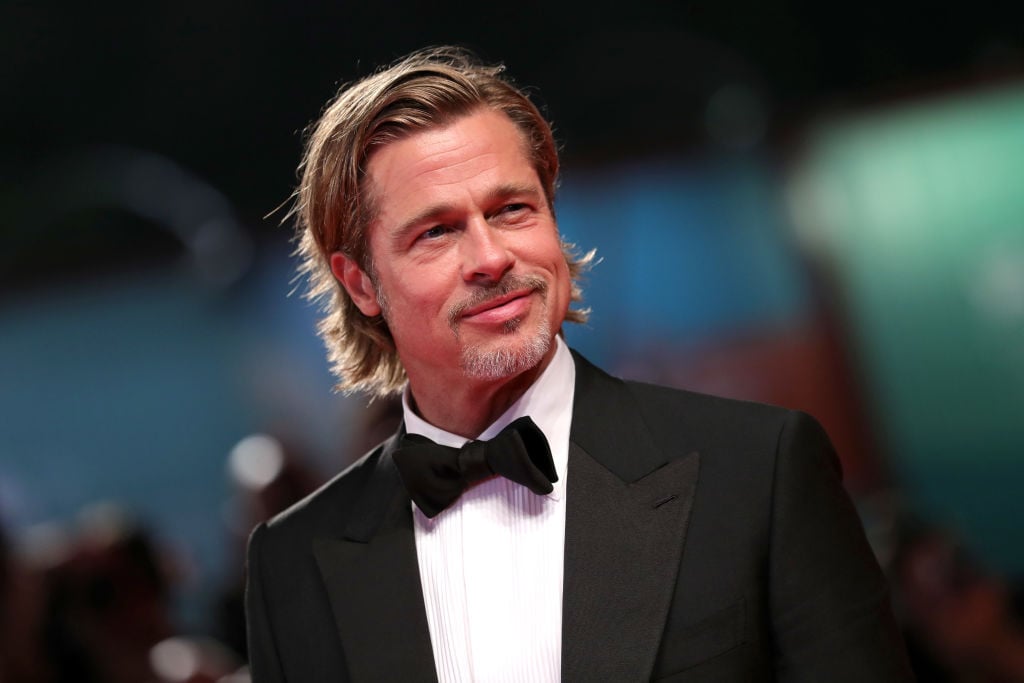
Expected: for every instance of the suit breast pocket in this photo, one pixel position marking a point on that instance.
(687, 647)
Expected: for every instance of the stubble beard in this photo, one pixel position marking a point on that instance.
(484, 361)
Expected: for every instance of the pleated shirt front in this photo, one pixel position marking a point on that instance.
(491, 564)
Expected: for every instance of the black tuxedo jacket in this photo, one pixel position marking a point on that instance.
(706, 540)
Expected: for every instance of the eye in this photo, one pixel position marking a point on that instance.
(513, 213)
(434, 232)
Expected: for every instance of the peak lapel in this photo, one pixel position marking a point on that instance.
(623, 543)
(628, 506)
(373, 582)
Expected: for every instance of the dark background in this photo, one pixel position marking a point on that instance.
(224, 88)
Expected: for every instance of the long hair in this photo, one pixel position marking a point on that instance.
(333, 209)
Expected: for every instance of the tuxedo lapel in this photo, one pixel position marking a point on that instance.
(373, 582)
(628, 505)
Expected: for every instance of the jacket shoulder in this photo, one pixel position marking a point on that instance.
(326, 510)
(679, 416)
(721, 419)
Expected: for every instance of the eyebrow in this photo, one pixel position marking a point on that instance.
(434, 211)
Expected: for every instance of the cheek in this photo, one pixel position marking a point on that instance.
(564, 286)
(421, 297)
(561, 270)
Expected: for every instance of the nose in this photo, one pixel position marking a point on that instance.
(486, 257)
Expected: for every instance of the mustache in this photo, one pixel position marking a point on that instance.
(506, 285)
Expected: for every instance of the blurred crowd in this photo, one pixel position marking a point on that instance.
(94, 603)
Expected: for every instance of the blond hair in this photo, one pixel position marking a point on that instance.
(333, 209)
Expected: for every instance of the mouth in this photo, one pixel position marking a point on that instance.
(500, 302)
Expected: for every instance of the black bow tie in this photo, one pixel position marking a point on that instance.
(435, 476)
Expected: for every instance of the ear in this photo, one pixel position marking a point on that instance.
(357, 283)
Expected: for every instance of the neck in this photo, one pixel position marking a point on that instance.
(467, 407)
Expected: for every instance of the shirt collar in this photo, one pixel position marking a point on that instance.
(548, 402)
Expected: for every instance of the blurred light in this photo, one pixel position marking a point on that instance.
(45, 545)
(240, 676)
(174, 659)
(104, 522)
(998, 288)
(256, 461)
(181, 659)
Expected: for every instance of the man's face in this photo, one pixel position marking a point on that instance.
(468, 267)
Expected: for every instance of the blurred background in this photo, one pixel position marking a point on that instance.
(812, 205)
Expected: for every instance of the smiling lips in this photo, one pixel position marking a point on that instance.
(500, 309)
(501, 303)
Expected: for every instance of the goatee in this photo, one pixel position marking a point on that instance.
(488, 363)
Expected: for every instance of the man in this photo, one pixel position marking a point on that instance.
(638, 532)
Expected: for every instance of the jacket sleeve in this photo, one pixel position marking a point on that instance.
(829, 601)
(264, 665)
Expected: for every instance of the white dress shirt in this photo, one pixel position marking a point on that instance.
(491, 564)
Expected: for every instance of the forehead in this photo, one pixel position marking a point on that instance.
(471, 151)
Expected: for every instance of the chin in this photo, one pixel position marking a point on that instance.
(507, 357)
